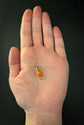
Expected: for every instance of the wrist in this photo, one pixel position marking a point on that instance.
(47, 118)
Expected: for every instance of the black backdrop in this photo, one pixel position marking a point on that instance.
(68, 16)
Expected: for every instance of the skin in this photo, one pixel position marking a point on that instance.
(42, 44)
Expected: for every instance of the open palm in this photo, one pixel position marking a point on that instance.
(43, 45)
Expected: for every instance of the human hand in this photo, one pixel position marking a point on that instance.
(44, 45)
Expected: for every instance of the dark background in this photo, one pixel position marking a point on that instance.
(68, 16)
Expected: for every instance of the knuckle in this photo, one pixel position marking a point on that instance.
(25, 33)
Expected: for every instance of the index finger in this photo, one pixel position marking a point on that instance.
(25, 32)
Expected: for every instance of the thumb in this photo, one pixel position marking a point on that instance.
(14, 61)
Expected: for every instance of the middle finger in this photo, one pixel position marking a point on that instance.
(36, 26)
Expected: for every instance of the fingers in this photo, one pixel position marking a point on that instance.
(36, 26)
(31, 31)
(59, 43)
(14, 62)
(26, 26)
(47, 31)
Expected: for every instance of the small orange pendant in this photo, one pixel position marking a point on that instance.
(39, 73)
